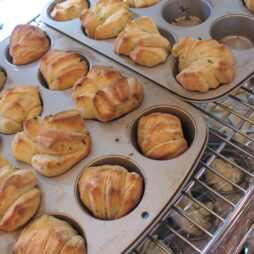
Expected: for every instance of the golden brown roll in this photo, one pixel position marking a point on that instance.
(249, 4)
(142, 42)
(53, 145)
(16, 105)
(27, 44)
(203, 64)
(104, 94)
(19, 197)
(47, 234)
(2, 79)
(107, 19)
(141, 3)
(160, 136)
(68, 9)
(110, 191)
(62, 69)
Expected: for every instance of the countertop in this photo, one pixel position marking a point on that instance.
(14, 12)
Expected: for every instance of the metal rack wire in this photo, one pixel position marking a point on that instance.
(231, 130)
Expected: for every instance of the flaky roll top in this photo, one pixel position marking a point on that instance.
(19, 197)
(107, 19)
(142, 42)
(62, 69)
(47, 234)
(160, 136)
(16, 105)
(110, 191)
(53, 145)
(203, 64)
(105, 94)
(68, 10)
(141, 3)
(249, 4)
(27, 44)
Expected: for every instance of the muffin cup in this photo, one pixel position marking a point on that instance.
(188, 125)
(125, 162)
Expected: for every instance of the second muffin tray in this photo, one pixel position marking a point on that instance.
(112, 143)
(227, 21)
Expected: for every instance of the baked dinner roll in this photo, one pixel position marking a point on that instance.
(19, 197)
(16, 105)
(62, 69)
(53, 145)
(48, 234)
(27, 44)
(249, 4)
(203, 64)
(160, 136)
(2, 79)
(110, 192)
(141, 3)
(105, 94)
(142, 42)
(107, 19)
(68, 10)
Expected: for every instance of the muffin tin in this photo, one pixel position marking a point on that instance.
(112, 143)
(227, 21)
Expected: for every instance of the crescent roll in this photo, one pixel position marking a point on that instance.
(142, 42)
(53, 145)
(107, 19)
(110, 191)
(105, 94)
(249, 4)
(62, 69)
(203, 64)
(27, 44)
(48, 234)
(141, 3)
(16, 105)
(19, 197)
(68, 10)
(160, 136)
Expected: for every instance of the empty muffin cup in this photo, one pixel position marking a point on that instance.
(236, 31)
(186, 13)
(167, 115)
(110, 187)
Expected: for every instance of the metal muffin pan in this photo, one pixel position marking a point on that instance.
(112, 142)
(227, 20)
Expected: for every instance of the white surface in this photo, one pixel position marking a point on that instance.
(14, 12)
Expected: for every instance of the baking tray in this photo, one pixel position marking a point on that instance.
(222, 20)
(112, 142)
